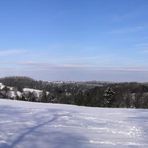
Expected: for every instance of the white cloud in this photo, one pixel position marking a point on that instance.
(32, 65)
(12, 52)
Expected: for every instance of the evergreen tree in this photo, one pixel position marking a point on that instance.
(44, 97)
(108, 97)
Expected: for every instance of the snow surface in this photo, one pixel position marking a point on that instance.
(1, 86)
(32, 90)
(38, 92)
(39, 125)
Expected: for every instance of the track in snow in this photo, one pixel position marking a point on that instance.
(39, 125)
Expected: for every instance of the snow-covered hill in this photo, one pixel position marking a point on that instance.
(28, 125)
(27, 93)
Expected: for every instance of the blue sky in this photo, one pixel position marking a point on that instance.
(103, 40)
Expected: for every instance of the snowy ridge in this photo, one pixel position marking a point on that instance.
(25, 124)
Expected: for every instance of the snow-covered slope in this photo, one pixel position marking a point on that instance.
(1, 86)
(38, 125)
(13, 93)
(37, 92)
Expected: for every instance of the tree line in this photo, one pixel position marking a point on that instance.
(95, 94)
